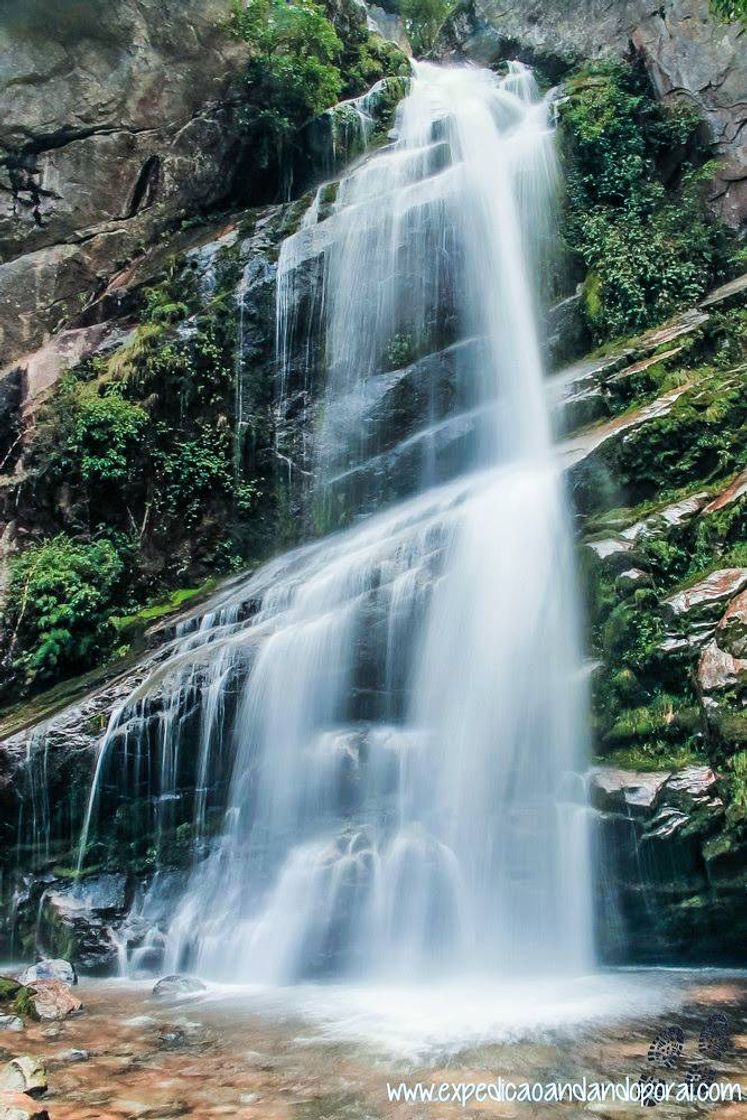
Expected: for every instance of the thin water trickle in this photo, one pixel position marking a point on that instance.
(403, 711)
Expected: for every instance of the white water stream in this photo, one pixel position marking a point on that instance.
(409, 731)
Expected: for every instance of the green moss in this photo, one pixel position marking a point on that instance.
(23, 1004)
(648, 759)
(127, 625)
(8, 989)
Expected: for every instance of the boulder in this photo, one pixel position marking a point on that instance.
(54, 1000)
(50, 970)
(632, 578)
(719, 671)
(109, 133)
(627, 791)
(24, 1075)
(11, 1023)
(705, 599)
(77, 918)
(169, 987)
(662, 521)
(71, 1056)
(731, 632)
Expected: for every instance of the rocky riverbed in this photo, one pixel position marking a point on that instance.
(130, 1054)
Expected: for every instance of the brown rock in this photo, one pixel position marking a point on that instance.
(733, 492)
(54, 1000)
(719, 671)
(731, 632)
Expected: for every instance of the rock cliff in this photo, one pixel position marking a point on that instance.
(112, 128)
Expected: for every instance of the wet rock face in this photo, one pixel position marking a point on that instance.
(687, 52)
(673, 883)
(122, 125)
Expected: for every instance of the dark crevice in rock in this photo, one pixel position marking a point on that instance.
(146, 186)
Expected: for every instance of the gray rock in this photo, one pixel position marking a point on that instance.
(662, 521)
(706, 598)
(169, 987)
(629, 791)
(50, 970)
(11, 1023)
(24, 1075)
(694, 787)
(719, 671)
(632, 578)
(83, 915)
(72, 1056)
(110, 135)
(567, 333)
(731, 632)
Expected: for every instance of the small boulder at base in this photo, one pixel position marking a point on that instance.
(170, 986)
(11, 1023)
(50, 970)
(54, 1000)
(24, 1075)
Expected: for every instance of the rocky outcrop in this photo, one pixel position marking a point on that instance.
(109, 132)
(673, 885)
(688, 53)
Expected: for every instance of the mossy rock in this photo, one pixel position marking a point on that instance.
(9, 989)
(17, 998)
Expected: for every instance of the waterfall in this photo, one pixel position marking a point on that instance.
(397, 710)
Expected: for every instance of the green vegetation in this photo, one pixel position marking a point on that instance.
(301, 63)
(423, 19)
(730, 10)
(647, 714)
(61, 593)
(136, 468)
(400, 352)
(292, 74)
(635, 211)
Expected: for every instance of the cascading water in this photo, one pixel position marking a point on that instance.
(400, 705)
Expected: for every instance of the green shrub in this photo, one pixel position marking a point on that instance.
(649, 247)
(106, 435)
(61, 596)
(423, 20)
(301, 62)
(292, 74)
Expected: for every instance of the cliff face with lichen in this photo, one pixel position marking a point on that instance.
(147, 452)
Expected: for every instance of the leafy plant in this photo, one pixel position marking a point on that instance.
(61, 593)
(649, 245)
